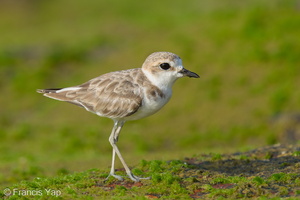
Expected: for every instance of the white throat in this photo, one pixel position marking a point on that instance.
(163, 82)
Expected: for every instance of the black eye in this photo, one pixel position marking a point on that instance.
(165, 66)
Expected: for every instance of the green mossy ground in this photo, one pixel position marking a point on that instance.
(267, 173)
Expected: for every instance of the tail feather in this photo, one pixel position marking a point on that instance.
(61, 94)
(51, 90)
(54, 93)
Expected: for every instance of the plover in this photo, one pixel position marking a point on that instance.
(126, 95)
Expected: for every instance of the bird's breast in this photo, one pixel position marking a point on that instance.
(153, 100)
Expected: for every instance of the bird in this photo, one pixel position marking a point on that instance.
(126, 95)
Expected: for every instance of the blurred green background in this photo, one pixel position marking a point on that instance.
(246, 52)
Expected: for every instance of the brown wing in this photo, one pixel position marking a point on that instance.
(113, 95)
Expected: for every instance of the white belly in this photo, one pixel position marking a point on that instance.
(149, 107)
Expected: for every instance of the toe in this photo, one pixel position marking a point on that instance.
(120, 178)
(136, 178)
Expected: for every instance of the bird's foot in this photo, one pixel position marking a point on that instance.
(130, 175)
(120, 178)
(136, 178)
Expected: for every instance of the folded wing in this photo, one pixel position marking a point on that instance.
(110, 95)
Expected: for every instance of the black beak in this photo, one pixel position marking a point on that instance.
(188, 73)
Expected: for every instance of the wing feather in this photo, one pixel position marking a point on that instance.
(113, 95)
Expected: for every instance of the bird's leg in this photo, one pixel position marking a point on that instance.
(113, 139)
